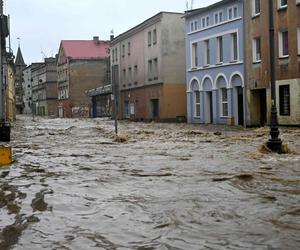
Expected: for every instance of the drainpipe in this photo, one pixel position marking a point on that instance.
(246, 78)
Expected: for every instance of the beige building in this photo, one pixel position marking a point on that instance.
(287, 54)
(148, 66)
(44, 88)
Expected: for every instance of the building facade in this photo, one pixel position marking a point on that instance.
(148, 69)
(215, 63)
(287, 54)
(82, 65)
(44, 88)
(19, 67)
(27, 90)
(10, 109)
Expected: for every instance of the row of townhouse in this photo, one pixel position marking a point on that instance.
(228, 62)
(208, 65)
(57, 86)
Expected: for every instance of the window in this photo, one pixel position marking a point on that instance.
(218, 17)
(113, 55)
(283, 44)
(129, 75)
(219, 49)
(197, 111)
(234, 47)
(205, 21)
(224, 102)
(194, 25)
(123, 50)
(298, 38)
(154, 37)
(256, 50)
(282, 4)
(124, 75)
(194, 55)
(255, 7)
(207, 52)
(232, 12)
(150, 70)
(155, 69)
(149, 38)
(116, 54)
(284, 100)
(135, 74)
(129, 48)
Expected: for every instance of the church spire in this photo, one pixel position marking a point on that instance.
(19, 59)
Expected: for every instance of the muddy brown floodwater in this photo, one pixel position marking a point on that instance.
(159, 186)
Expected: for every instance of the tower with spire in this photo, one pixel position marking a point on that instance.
(19, 66)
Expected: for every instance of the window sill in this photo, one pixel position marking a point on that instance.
(282, 8)
(224, 117)
(256, 62)
(284, 57)
(233, 61)
(255, 15)
(219, 63)
(206, 66)
(197, 117)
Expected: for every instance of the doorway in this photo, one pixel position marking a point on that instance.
(240, 100)
(155, 109)
(208, 108)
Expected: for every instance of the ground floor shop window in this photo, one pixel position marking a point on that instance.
(284, 100)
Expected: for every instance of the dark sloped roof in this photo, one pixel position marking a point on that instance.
(19, 59)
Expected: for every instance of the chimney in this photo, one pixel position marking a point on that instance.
(96, 39)
(112, 36)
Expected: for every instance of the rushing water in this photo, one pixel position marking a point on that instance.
(170, 186)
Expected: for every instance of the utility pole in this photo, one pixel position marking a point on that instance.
(274, 143)
(115, 83)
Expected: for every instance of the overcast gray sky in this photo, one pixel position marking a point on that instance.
(41, 24)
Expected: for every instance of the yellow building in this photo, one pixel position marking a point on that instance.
(10, 93)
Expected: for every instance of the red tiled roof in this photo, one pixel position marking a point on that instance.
(89, 49)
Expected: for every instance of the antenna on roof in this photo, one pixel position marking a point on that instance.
(187, 4)
(192, 4)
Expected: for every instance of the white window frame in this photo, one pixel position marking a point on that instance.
(194, 55)
(154, 36)
(232, 9)
(207, 59)
(205, 18)
(218, 15)
(280, 6)
(280, 37)
(254, 13)
(223, 102)
(219, 47)
(232, 59)
(298, 38)
(194, 25)
(197, 103)
(256, 55)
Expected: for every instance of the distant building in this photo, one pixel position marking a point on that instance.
(82, 65)
(44, 88)
(287, 60)
(148, 67)
(19, 67)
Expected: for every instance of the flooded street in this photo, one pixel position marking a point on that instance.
(165, 186)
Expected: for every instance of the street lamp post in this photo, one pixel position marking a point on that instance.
(274, 143)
